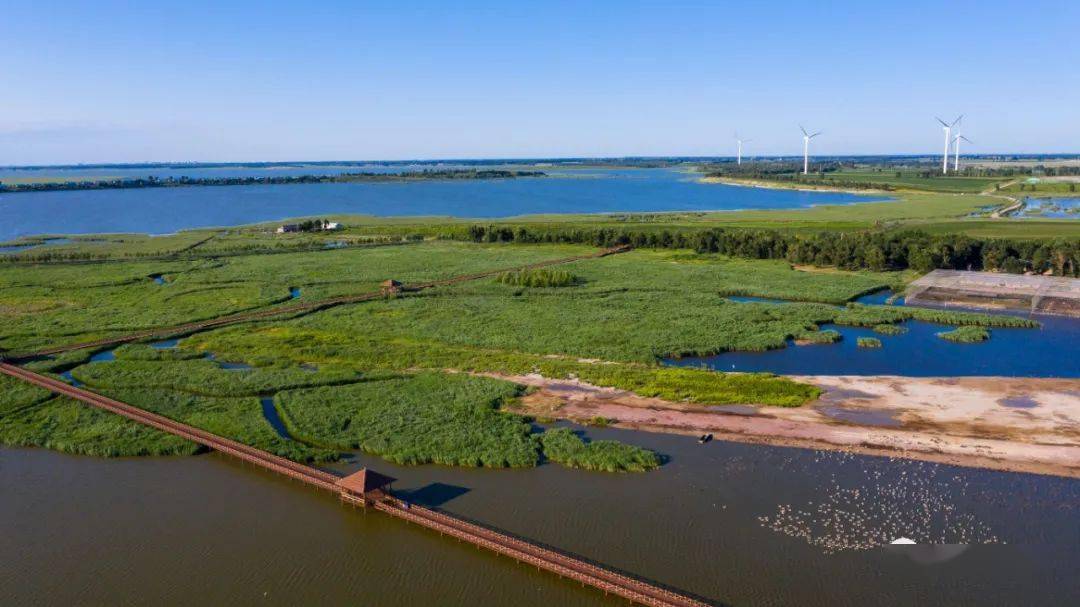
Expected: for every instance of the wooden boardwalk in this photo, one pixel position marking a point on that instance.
(559, 563)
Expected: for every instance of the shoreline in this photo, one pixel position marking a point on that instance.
(1029, 425)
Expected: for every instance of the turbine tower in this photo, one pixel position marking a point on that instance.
(945, 126)
(806, 149)
(740, 142)
(956, 151)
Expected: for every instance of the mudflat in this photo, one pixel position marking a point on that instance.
(1000, 423)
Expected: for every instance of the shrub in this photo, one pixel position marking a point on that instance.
(965, 335)
(561, 445)
(542, 277)
(868, 342)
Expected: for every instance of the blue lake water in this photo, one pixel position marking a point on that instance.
(1051, 208)
(1051, 351)
(166, 210)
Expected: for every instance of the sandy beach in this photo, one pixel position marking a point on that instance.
(999, 423)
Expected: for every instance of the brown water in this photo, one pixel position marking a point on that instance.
(172, 531)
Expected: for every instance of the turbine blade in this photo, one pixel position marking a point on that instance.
(803, 130)
(958, 119)
(943, 123)
(966, 139)
(815, 134)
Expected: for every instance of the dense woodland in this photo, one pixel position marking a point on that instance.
(878, 250)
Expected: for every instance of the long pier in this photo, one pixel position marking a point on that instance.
(559, 563)
(192, 327)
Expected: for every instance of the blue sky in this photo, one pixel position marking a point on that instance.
(132, 81)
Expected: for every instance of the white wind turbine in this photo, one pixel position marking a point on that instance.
(956, 151)
(948, 141)
(738, 158)
(806, 149)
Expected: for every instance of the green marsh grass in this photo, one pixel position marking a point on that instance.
(563, 446)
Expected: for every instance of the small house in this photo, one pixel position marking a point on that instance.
(332, 225)
(288, 228)
(390, 287)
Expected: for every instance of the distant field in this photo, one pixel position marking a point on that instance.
(1045, 188)
(915, 180)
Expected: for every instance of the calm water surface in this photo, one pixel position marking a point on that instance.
(1050, 351)
(166, 210)
(181, 531)
(1051, 208)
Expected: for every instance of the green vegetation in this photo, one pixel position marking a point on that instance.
(394, 376)
(875, 250)
(147, 353)
(888, 329)
(858, 315)
(965, 335)
(859, 176)
(204, 377)
(868, 342)
(34, 417)
(1043, 187)
(16, 395)
(449, 419)
(542, 277)
(56, 304)
(563, 446)
(828, 336)
(52, 185)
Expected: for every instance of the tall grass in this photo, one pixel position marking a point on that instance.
(205, 377)
(965, 335)
(426, 418)
(542, 277)
(563, 446)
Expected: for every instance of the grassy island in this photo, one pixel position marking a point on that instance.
(966, 335)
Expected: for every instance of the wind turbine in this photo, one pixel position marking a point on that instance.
(806, 149)
(956, 150)
(740, 142)
(948, 141)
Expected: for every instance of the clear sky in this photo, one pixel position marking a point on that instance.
(111, 81)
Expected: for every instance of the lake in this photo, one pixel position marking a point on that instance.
(1049, 351)
(167, 210)
(208, 530)
(1051, 208)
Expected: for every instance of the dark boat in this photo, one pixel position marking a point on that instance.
(704, 438)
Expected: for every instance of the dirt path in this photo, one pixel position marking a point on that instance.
(1015, 424)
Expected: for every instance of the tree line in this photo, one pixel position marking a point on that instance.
(872, 250)
(169, 182)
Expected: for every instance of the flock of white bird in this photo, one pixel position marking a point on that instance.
(913, 503)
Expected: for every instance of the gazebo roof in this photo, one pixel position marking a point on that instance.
(365, 481)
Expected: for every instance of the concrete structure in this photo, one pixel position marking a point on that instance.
(1036, 294)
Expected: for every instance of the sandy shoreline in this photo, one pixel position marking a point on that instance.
(998, 423)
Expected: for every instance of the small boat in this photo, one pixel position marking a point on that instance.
(704, 438)
(902, 541)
